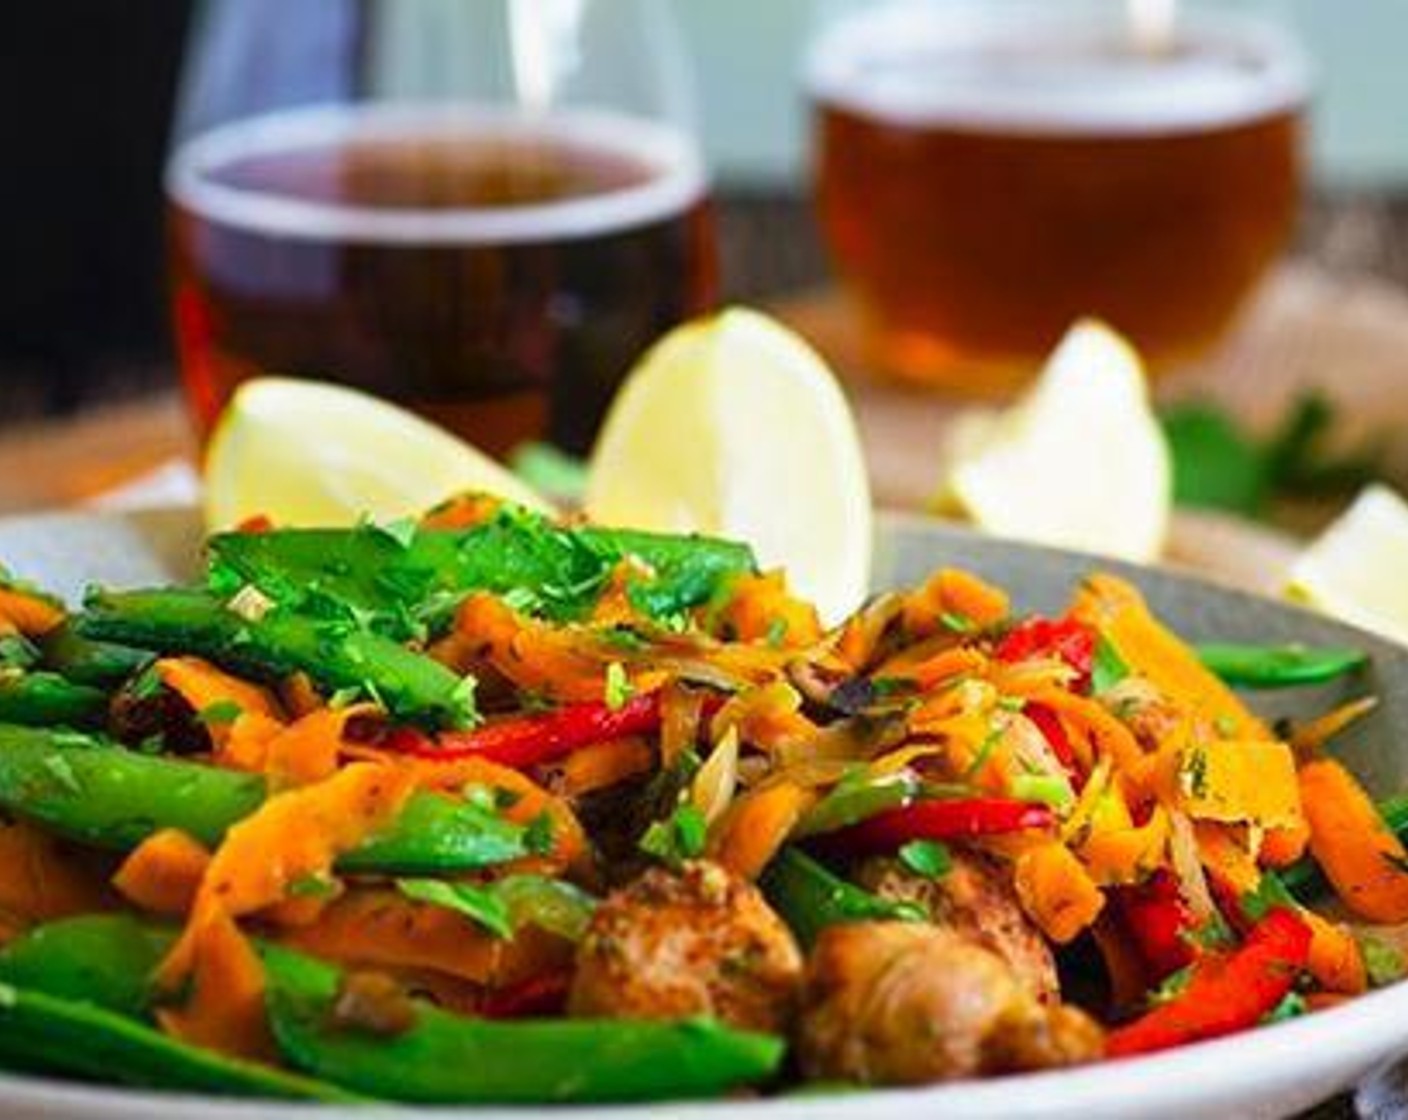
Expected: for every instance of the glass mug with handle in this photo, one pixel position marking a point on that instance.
(485, 211)
(988, 171)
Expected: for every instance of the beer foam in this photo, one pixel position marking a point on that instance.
(192, 180)
(1054, 68)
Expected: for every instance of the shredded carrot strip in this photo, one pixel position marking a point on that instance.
(952, 595)
(1129, 854)
(1252, 782)
(1310, 737)
(766, 717)
(224, 1007)
(757, 824)
(531, 654)
(604, 764)
(1056, 891)
(463, 511)
(308, 749)
(935, 669)
(164, 872)
(203, 686)
(1281, 847)
(293, 835)
(41, 881)
(381, 928)
(1335, 961)
(1115, 609)
(31, 615)
(760, 608)
(244, 744)
(1223, 851)
(1360, 855)
(1108, 734)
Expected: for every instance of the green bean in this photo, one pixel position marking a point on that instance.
(101, 794)
(334, 654)
(810, 897)
(1252, 666)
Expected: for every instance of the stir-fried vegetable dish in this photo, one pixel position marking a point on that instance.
(490, 808)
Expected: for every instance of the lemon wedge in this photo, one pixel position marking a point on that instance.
(309, 453)
(1355, 568)
(732, 425)
(1080, 462)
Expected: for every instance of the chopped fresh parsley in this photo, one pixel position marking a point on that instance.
(1292, 1006)
(958, 623)
(679, 837)
(1269, 894)
(312, 886)
(539, 836)
(1173, 986)
(480, 904)
(1049, 789)
(220, 712)
(403, 530)
(1108, 667)
(1383, 962)
(618, 686)
(928, 858)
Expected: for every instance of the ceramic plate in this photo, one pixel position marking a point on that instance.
(1266, 1073)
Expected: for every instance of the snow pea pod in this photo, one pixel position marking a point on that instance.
(334, 653)
(84, 661)
(90, 790)
(1285, 666)
(47, 1034)
(45, 699)
(811, 897)
(445, 1058)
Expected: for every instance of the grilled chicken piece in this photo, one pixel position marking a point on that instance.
(697, 942)
(906, 1003)
(975, 898)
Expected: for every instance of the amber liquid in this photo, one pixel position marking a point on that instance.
(498, 277)
(972, 245)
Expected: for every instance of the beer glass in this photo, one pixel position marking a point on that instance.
(987, 171)
(483, 209)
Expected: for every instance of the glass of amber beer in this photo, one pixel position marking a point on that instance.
(990, 170)
(484, 209)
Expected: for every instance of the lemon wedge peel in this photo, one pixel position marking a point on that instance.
(311, 453)
(1080, 462)
(732, 425)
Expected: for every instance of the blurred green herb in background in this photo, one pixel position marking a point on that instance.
(1218, 465)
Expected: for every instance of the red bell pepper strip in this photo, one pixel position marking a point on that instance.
(1052, 730)
(538, 995)
(1064, 639)
(1157, 920)
(946, 819)
(1227, 992)
(531, 740)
